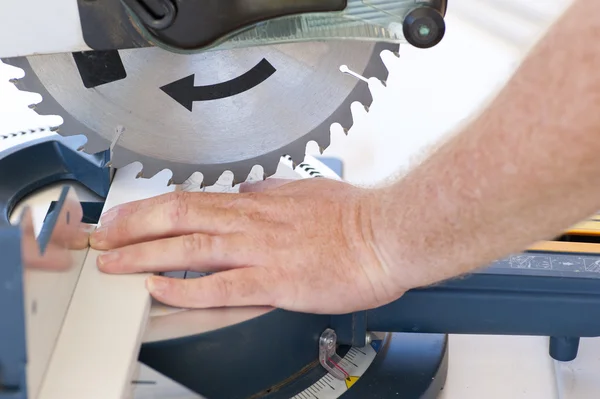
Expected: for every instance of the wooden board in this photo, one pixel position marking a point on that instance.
(47, 293)
(96, 353)
(97, 350)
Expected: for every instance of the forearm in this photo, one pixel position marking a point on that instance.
(527, 168)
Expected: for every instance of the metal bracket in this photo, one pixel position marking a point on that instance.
(351, 329)
(36, 164)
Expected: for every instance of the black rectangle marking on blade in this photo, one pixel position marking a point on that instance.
(97, 68)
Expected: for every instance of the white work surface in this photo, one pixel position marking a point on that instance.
(428, 94)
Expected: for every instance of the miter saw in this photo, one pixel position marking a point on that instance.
(212, 86)
(207, 86)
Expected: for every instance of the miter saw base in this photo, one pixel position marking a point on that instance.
(226, 366)
(277, 354)
(408, 366)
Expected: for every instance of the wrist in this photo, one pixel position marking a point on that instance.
(390, 242)
(410, 238)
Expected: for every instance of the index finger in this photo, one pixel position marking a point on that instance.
(178, 196)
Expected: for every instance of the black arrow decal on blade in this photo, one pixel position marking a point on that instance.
(185, 93)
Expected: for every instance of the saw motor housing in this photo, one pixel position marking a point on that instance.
(194, 25)
(189, 26)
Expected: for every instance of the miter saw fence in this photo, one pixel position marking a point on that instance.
(213, 86)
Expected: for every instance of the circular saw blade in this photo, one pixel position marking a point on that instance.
(210, 112)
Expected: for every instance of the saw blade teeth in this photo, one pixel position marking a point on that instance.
(24, 84)
(297, 158)
(191, 184)
(93, 145)
(210, 179)
(270, 169)
(149, 171)
(74, 141)
(240, 175)
(377, 72)
(374, 75)
(227, 178)
(257, 173)
(390, 59)
(224, 180)
(359, 112)
(287, 161)
(322, 143)
(118, 161)
(313, 147)
(47, 107)
(377, 90)
(149, 174)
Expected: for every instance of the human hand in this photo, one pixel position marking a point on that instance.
(304, 246)
(68, 236)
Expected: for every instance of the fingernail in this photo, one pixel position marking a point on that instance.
(109, 216)
(157, 285)
(98, 236)
(108, 257)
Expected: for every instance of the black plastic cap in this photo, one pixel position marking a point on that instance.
(424, 27)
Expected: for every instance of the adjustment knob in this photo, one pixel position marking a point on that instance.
(424, 27)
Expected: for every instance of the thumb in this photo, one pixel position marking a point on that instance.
(265, 185)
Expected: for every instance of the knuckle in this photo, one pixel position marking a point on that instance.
(196, 243)
(178, 209)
